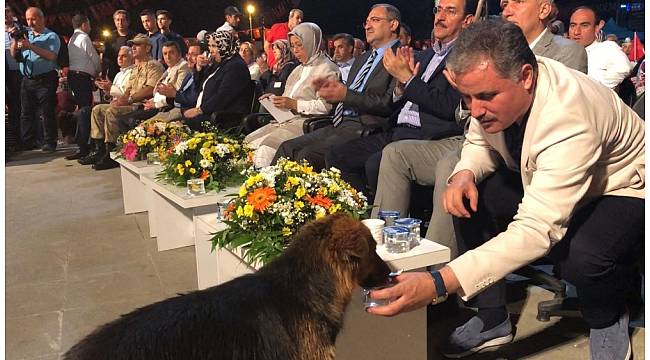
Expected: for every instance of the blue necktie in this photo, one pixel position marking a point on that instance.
(365, 71)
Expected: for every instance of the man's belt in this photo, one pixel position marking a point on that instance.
(80, 73)
(42, 76)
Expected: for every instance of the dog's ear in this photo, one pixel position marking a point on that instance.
(349, 237)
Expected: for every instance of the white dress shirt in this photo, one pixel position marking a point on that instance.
(607, 63)
(254, 70)
(344, 68)
(226, 27)
(160, 100)
(120, 81)
(83, 56)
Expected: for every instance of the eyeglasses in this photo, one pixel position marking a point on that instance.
(449, 11)
(296, 46)
(374, 20)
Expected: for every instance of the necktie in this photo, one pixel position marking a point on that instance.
(365, 71)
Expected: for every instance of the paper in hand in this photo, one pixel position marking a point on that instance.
(280, 115)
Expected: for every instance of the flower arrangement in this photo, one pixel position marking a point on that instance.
(151, 136)
(216, 159)
(275, 201)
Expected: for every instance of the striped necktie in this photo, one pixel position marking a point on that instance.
(365, 71)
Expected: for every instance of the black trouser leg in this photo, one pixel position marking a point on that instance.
(82, 88)
(12, 93)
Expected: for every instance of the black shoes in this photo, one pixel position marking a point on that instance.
(95, 155)
(105, 162)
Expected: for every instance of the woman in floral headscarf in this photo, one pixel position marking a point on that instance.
(299, 95)
(223, 78)
(273, 80)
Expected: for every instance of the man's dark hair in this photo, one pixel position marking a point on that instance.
(406, 28)
(167, 14)
(347, 38)
(78, 20)
(470, 7)
(147, 12)
(502, 42)
(192, 42)
(597, 16)
(121, 11)
(173, 44)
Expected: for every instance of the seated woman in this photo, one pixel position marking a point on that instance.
(223, 79)
(248, 53)
(273, 80)
(299, 95)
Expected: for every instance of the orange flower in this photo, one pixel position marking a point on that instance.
(204, 175)
(321, 200)
(261, 198)
(229, 210)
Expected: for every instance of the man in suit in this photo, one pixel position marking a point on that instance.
(426, 100)
(366, 102)
(553, 164)
(533, 17)
(430, 163)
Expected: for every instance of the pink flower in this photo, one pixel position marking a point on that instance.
(130, 151)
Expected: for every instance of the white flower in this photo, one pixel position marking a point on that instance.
(180, 148)
(205, 163)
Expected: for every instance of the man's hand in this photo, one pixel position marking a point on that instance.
(265, 96)
(104, 84)
(401, 64)
(121, 101)
(149, 104)
(167, 90)
(261, 62)
(283, 102)
(192, 113)
(460, 187)
(333, 91)
(24, 44)
(202, 61)
(412, 291)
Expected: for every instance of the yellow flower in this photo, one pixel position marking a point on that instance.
(248, 210)
(333, 188)
(301, 192)
(286, 231)
(334, 208)
(320, 212)
(192, 171)
(307, 169)
(322, 191)
(242, 191)
(181, 171)
(240, 211)
(152, 141)
(188, 163)
(288, 221)
(179, 167)
(207, 144)
(299, 205)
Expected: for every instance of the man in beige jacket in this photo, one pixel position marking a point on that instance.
(560, 156)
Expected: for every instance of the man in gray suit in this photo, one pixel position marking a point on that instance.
(430, 163)
(365, 103)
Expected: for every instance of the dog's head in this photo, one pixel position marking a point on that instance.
(348, 247)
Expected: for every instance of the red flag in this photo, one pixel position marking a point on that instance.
(637, 51)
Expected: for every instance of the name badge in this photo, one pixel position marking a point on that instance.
(277, 85)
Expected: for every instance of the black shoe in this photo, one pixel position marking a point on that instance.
(47, 148)
(106, 163)
(95, 155)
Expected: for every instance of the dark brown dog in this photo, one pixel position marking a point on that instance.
(291, 308)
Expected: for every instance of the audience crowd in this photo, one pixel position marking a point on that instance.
(479, 108)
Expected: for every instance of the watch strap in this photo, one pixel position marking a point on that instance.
(441, 289)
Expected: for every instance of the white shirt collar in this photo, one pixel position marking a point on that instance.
(532, 44)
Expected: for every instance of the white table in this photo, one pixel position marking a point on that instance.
(134, 190)
(400, 337)
(172, 213)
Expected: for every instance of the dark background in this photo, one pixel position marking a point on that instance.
(333, 16)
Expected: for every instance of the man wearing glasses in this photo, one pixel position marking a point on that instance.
(365, 103)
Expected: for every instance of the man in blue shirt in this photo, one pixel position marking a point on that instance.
(156, 38)
(164, 21)
(37, 53)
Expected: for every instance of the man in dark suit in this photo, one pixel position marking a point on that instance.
(426, 100)
(365, 103)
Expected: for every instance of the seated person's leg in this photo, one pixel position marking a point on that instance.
(315, 152)
(441, 227)
(603, 238)
(131, 119)
(350, 157)
(290, 149)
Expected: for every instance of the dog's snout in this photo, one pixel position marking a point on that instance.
(378, 272)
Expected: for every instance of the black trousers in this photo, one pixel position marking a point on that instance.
(38, 96)
(130, 120)
(81, 85)
(82, 132)
(604, 238)
(314, 145)
(13, 80)
(359, 159)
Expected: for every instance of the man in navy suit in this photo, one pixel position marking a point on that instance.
(426, 99)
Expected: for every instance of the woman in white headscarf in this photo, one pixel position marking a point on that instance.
(299, 95)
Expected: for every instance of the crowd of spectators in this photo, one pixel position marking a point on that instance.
(397, 112)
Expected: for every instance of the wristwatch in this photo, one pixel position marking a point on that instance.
(441, 290)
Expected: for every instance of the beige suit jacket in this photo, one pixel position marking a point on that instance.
(581, 142)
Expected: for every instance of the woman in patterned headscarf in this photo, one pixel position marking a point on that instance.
(273, 80)
(299, 94)
(224, 80)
